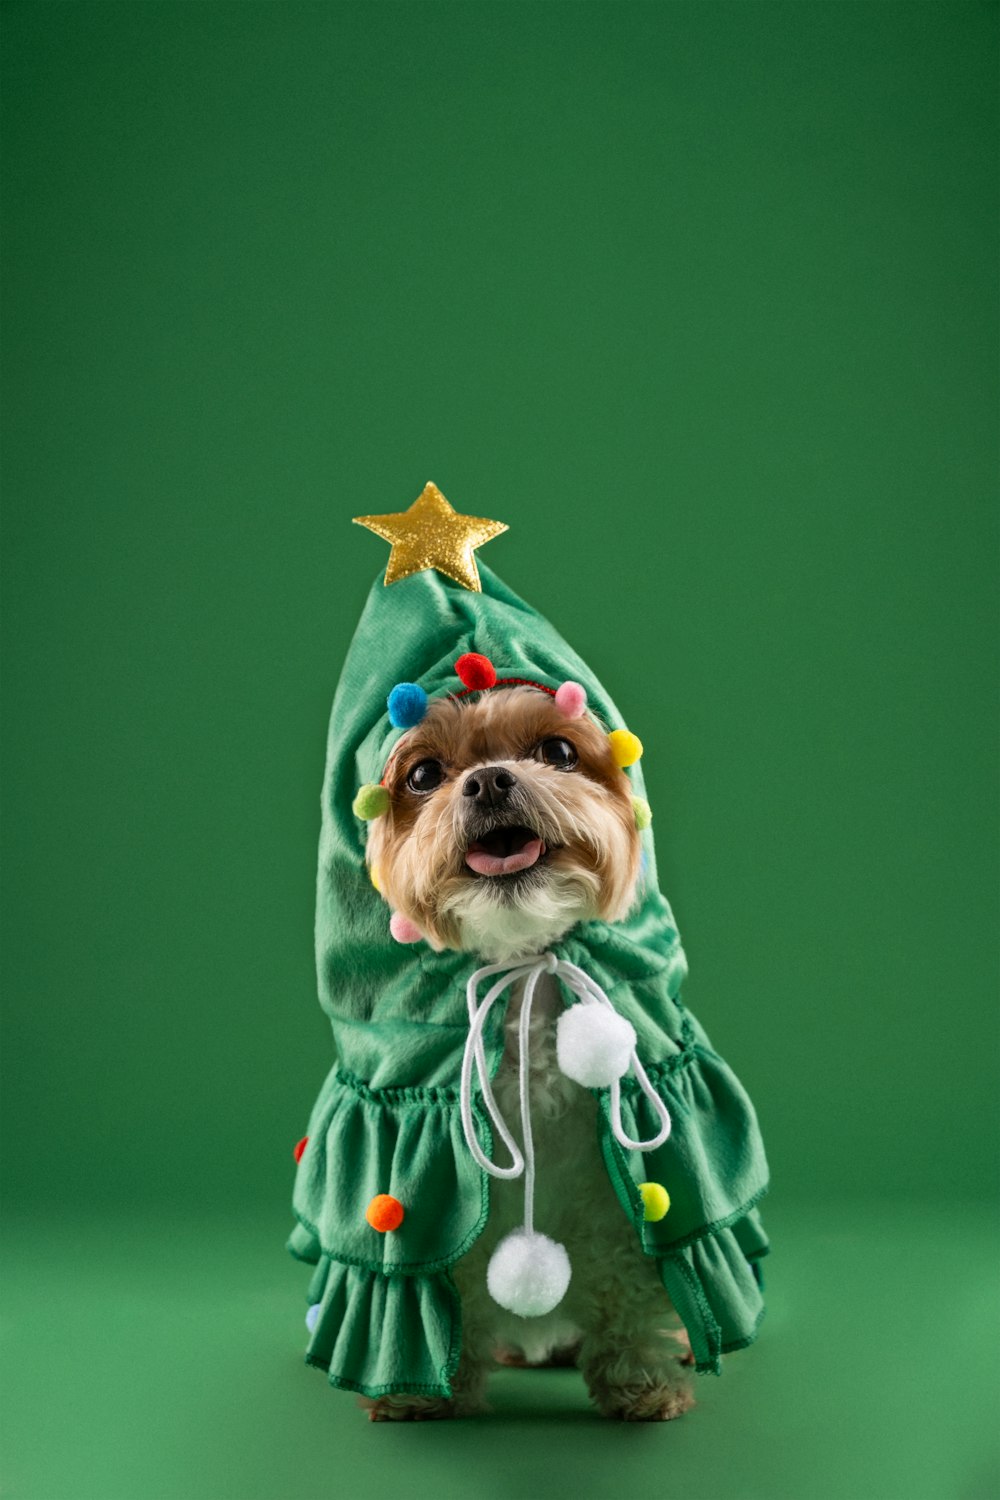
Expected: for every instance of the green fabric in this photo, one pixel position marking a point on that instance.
(387, 1120)
(393, 1138)
(385, 1333)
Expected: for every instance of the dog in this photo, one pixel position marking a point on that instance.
(506, 825)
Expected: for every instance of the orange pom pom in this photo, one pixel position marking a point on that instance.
(477, 672)
(384, 1212)
(300, 1146)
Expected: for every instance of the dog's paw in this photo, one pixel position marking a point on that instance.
(645, 1401)
(405, 1408)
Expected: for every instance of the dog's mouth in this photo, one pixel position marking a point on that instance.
(505, 851)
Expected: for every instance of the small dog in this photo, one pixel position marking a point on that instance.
(507, 824)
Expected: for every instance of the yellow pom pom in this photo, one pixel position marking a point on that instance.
(373, 877)
(626, 747)
(656, 1200)
(642, 812)
(371, 802)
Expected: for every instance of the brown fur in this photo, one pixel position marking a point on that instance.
(584, 815)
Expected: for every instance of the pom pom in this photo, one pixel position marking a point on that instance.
(407, 705)
(656, 1201)
(371, 802)
(594, 1044)
(571, 699)
(373, 877)
(626, 747)
(476, 671)
(643, 813)
(528, 1273)
(403, 930)
(312, 1317)
(300, 1146)
(384, 1213)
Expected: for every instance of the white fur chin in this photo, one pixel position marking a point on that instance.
(499, 929)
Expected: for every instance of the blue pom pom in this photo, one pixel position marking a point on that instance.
(312, 1317)
(407, 705)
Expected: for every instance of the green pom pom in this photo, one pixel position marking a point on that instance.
(643, 813)
(371, 802)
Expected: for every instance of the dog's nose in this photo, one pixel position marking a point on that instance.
(489, 785)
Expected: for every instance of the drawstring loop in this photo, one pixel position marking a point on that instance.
(588, 992)
(528, 1273)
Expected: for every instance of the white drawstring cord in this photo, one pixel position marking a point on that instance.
(474, 1051)
(524, 1083)
(589, 992)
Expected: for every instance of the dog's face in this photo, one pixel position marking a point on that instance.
(507, 823)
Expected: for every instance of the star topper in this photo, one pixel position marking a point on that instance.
(432, 534)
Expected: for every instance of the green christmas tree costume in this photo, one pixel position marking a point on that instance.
(384, 1311)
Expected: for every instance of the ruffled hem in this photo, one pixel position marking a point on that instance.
(412, 1148)
(716, 1286)
(378, 1334)
(712, 1164)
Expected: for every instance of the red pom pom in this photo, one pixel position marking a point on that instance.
(476, 671)
(300, 1146)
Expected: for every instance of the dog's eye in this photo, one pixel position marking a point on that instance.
(558, 753)
(426, 776)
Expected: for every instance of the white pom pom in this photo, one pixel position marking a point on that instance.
(528, 1273)
(594, 1044)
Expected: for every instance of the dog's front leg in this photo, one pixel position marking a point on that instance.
(634, 1347)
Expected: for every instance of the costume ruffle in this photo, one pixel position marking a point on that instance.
(376, 1334)
(393, 1140)
(716, 1287)
(709, 1245)
(711, 1164)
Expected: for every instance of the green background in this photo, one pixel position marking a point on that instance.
(700, 299)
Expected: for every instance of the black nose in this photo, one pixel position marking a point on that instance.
(489, 786)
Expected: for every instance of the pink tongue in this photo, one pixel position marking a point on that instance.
(493, 864)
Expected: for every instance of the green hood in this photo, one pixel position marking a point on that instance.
(387, 1120)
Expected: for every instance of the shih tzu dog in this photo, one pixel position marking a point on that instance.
(508, 823)
(503, 978)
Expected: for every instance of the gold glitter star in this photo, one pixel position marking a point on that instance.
(432, 534)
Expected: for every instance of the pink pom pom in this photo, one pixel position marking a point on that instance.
(403, 930)
(571, 699)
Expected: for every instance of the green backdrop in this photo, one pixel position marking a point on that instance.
(701, 300)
